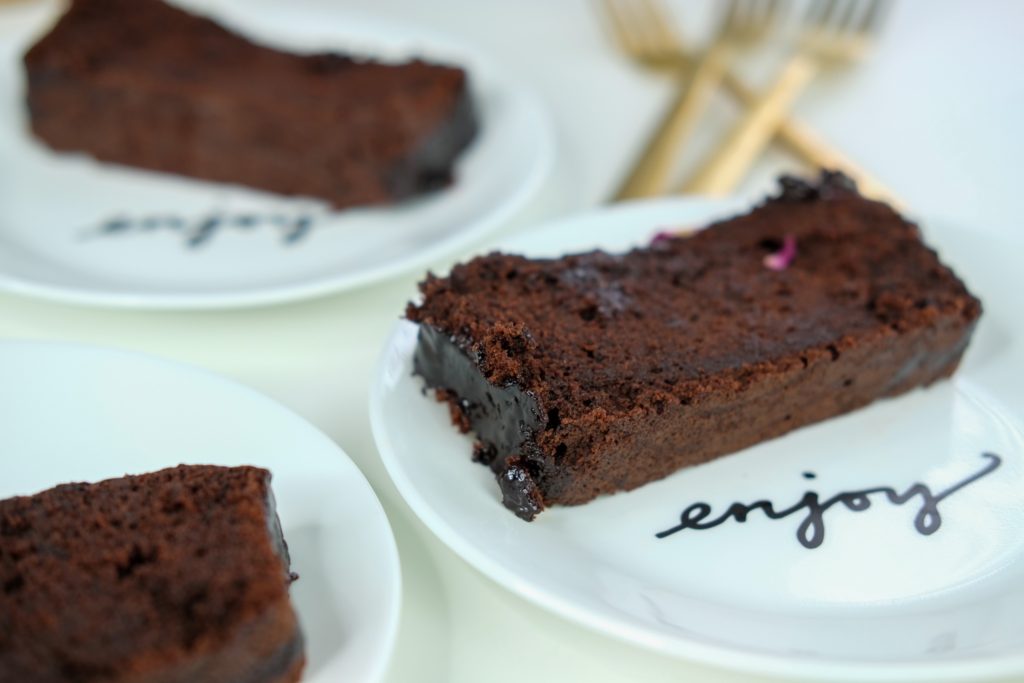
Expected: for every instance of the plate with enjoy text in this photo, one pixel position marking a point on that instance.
(87, 414)
(887, 543)
(76, 230)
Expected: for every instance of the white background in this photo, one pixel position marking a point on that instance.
(935, 113)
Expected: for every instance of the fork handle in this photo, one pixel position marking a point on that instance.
(815, 151)
(819, 154)
(650, 175)
(727, 167)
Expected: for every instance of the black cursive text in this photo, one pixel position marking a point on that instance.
(811, 532)
(197, 232)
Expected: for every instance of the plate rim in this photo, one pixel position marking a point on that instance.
(723, 656)
(533, 108)
(389, 634)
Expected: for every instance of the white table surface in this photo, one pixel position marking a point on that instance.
(935, 113)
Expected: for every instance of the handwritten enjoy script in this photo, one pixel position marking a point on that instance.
(198, 231)
(811, 532)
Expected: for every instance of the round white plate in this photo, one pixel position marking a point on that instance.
(75, 413)
(53, 209)
(876, 598)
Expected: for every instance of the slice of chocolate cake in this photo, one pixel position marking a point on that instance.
(143, 83)
(595, 372)
(176, 576)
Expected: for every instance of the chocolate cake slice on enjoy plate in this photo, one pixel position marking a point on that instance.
(596, 372)
(178, 576)
(144, 83)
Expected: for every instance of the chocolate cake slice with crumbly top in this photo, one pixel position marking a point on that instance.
(179, 576)
(144, 83)
(597, 372)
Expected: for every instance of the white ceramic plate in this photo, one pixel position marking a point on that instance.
(53, 207)
(875, 599)
(75, 413)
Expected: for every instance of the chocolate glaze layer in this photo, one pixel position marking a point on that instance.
(503, 417)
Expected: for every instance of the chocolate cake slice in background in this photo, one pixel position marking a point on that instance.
(143, 83)
(181, 575)
(596, 372)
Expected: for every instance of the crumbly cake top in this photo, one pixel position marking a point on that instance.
(119, 42)
(599, 334)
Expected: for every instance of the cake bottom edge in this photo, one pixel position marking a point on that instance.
(530, 481)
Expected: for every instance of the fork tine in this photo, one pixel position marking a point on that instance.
(658, 21)
(772, 12)
(731, 18)
(748, 12)
(755, 9)
(785, 7)
(846, 15)
(620, 28)
(669, 24)
(874, 16)
(753, 14)
(815, 12)
(830, 12)
(639, 25)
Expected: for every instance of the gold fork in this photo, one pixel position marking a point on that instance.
(834, 32)
(647, 38)
(744, 23)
